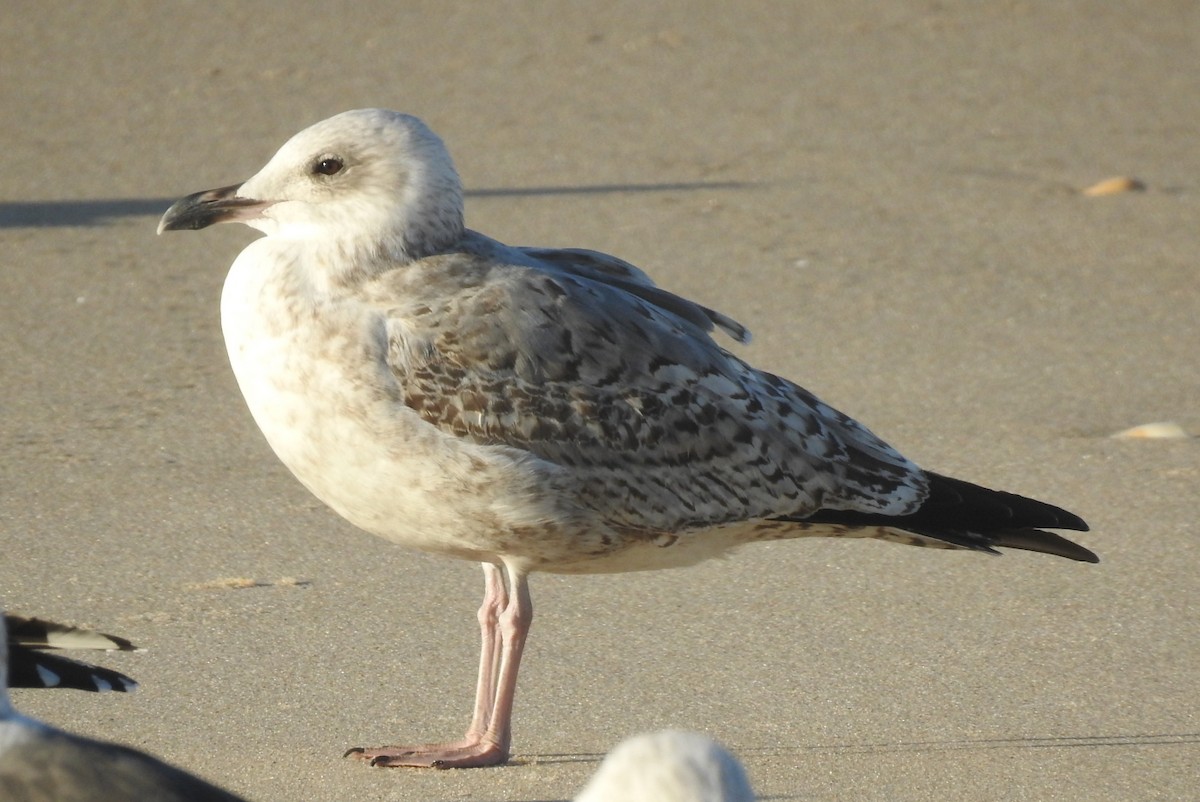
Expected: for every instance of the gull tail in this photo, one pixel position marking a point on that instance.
(973, 517)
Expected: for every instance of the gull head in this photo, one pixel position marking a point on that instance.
(367, 183)
(669, 766)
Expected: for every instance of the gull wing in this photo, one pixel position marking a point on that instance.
(658, 427)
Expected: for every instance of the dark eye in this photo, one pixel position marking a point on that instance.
(329, 165)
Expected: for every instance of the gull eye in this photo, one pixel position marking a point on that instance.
(328, 165)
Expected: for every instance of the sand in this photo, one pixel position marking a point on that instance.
(889, 196)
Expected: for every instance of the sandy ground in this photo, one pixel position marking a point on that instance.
(887, 193)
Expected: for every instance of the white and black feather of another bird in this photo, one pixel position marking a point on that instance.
(40, 763)
(33, 661)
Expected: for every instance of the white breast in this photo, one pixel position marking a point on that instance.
(314, 374)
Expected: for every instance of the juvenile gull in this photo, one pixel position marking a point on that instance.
(39, 763)
(30, 665)
(528, 408)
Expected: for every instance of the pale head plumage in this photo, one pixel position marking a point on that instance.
(669, 766)
(379, 177)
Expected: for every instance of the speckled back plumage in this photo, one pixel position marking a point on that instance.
(660, 428)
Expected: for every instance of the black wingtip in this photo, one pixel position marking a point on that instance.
(1046, 543)
(33, 668)
(974, 517)
(1005, 519)
(958, 501)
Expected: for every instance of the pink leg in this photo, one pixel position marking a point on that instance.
(504, 619)
(495, 599)
(514, 629)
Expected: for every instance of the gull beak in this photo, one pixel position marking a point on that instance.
(211, 206)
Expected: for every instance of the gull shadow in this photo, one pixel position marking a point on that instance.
(961, 744)
(607, 189)
(980, 744)
(102, 211)
(747, 754)
(45, 214)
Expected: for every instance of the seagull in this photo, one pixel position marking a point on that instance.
(669, 766)
(30, 666)
(39, 763)
(532, 409)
